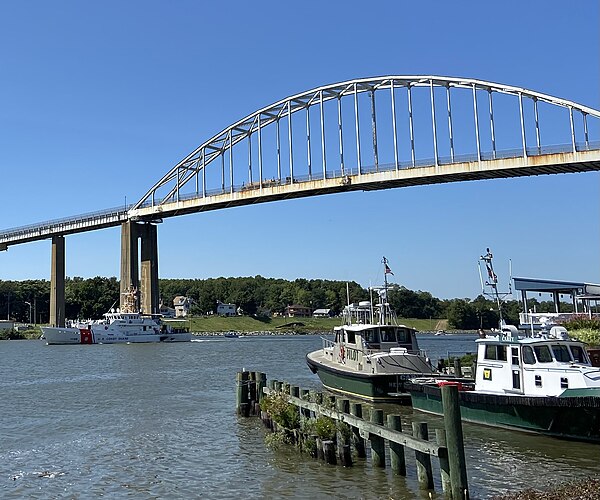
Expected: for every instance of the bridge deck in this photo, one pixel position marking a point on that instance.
(384, 177)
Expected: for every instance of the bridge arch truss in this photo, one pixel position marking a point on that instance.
(361, 127)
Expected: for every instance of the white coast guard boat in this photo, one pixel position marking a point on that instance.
(120, 326)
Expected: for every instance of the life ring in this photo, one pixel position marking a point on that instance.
(342, 352)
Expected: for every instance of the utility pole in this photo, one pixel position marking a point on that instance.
(29, 304)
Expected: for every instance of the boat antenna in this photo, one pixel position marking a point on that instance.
(371, 302)
(492, 282)
(384, 298)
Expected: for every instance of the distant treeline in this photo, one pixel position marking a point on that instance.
(90, 298)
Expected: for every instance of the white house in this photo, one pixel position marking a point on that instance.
(7, 325)
(322, 313)
(182, 306)
(225, 309)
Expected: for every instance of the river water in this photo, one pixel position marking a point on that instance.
(159, 421)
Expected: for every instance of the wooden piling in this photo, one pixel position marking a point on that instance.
(261, 383)
(454, 440)
(424, 471)
(252, 376)
(358, 441)
(329, 452)
(305, 395)
(320, 453)
(346, 456)
(319, 398)
(397, 459)
(241, 382)
(440, 437)
(342, 405)
(377, 442)
(457, 367)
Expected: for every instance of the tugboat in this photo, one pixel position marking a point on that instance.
(541, 382)
(118, 327)
(372, 356)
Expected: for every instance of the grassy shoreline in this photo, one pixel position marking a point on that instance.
(248, 324)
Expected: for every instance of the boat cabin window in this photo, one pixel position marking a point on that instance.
(388, 334)
(350, 338)
(561, 353)
(495, 351)
(542, 353)
(578, 354)
(370, 336)
(404, 336)
(528, 357)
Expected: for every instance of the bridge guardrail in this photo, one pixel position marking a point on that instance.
(385, 167)
(118, 212)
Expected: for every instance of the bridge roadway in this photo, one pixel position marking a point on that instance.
(386, 176)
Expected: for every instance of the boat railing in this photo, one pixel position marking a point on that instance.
(327, 343)
(546, 318)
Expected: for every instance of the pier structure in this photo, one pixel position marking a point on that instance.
(355, 431)
(140, 276)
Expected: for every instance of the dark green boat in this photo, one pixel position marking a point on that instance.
(371, 356)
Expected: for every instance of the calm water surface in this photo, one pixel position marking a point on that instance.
(158, 421)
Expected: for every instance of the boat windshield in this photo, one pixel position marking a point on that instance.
(542, 353)
(370, 336)
(388, 334)
(578, 353)
(528, 357)
(561, 353)
(495, 351)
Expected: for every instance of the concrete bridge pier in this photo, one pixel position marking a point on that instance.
(146, 285)
(57, 282)
(149, 277)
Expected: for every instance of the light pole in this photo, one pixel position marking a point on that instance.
(29, 304)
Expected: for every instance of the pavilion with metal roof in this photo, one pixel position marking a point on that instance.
(582, 294)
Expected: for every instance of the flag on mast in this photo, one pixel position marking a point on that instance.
(387, 269)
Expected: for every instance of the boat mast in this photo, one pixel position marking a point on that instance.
(383, 297)
(492, 282)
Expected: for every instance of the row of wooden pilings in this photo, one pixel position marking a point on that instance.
(448, 445)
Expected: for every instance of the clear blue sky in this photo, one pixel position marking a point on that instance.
(100, 99)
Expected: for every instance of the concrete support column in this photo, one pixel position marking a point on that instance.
(149, 278)
(57, 282)
(129, 259)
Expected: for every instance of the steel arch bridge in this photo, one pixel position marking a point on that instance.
(377, 133)
(363, 134)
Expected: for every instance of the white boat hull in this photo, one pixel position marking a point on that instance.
(61, 336)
